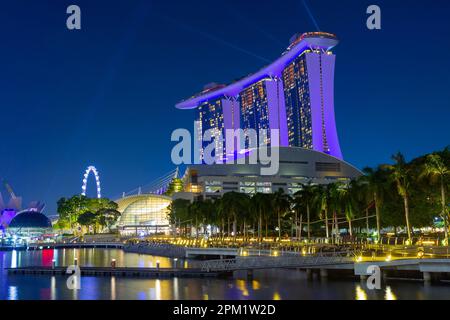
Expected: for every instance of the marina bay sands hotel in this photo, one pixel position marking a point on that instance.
(293, 94)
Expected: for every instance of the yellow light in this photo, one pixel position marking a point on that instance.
(420, 254)
(389, 295)
(275, 253)
(276, 296)
(388, 258)
(360, 293)
(359, 259)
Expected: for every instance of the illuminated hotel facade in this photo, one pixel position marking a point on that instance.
(294, 94)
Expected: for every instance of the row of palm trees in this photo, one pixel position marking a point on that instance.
(376, 194)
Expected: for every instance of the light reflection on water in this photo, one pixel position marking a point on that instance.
(266, 284)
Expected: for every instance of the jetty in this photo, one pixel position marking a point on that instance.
(136, 272)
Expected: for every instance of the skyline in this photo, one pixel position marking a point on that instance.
(118, 91)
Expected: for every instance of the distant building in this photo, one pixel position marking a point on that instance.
(143, 214)
(30, 223)
(9, 209)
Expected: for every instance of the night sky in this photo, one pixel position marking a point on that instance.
(105, 95)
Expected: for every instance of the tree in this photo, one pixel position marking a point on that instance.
(281, 205)
(87, 219)
(322, 200)
(234, 203)
(375, 182)
(179, 212)
(107, 217)
(305, 197)
(71, 209)
(334, 205)
(256, 208)
(345, 201)
(436, 169)
(176, 185)
(400, 175)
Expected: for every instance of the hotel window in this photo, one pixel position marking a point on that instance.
(294, 187)
(247, 187)
(328, 166)
(264, 187)
(213, 186)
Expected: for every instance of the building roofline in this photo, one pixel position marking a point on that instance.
(309, 41)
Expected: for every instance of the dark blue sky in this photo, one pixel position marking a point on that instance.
(105, 95)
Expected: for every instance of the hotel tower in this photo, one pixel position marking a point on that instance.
(294, 94)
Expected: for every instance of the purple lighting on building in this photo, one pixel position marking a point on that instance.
(320, 124)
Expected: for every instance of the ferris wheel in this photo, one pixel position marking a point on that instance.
(97, 181)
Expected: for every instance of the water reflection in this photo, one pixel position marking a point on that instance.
(389, 295)
(360, 293)
(266, 284)
(12, 293)
(53, 288)
(14, 259)
(113, 288)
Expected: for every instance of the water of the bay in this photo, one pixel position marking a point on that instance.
(266, 284)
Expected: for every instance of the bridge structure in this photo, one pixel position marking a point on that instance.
(62, 245)
(426, 269)
(331, 260)
(158, 186)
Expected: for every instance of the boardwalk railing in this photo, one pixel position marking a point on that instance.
(247, 263)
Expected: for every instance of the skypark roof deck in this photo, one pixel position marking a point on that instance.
(307, 41)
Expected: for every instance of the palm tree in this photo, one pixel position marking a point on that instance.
(375, 181)
(436, 169)
(334, 198)
(322, 199)
(345, 201)
(281, 204)
(221, 215)
(400, 175)
(268, 209)
(306, 197)
(234, 204)
(178, 212)
(257, 207)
